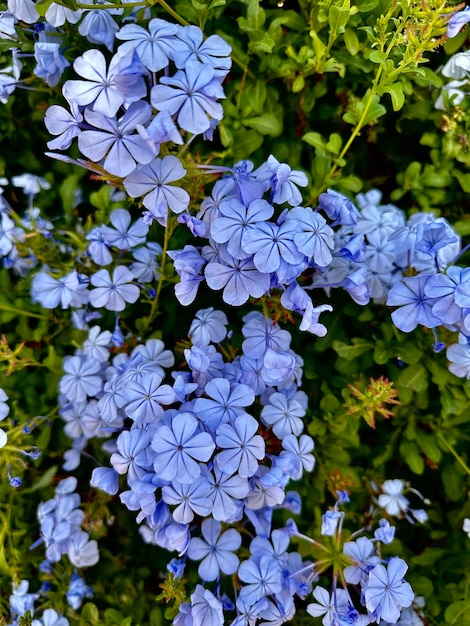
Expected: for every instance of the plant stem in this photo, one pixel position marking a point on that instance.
(451, 449)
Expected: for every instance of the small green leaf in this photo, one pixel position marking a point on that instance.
(334, 143)
(377, 56)
(464, 179)
(338, 18)
(351, 41)
(458, 613)
(266, 124)
(318, 45)
(315, 140)
(350, 352)
(412, 457)
(396, 92)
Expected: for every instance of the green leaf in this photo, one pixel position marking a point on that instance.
(458, 613)
(42, 5)
(377, 56)
(410, 453)
(266, 124)
(366, 5)
(334, 143)
(381, 352)
(351, 41)
(90, 613)
(44, 481)
(318, 45)
(414, 377)
(396, 92)
(314, 139)
(462, 226)
(452, 481)
(429, 557)
(338, 18)
(464, 179)
(246, 142)
(349, 352)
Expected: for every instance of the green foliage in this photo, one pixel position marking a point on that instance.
(345, 91)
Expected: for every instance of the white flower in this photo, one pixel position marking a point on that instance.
(392, 499)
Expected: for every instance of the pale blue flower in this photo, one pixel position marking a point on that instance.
(215, 551)
(191, 94)
(206, 610)
(189, 498)
(153, 182)
(50, 62)
(208, 326)
(154, 46)
(113, 293)
(263, 578)
(122, 148)
(180, 447)
(81, 378)
(99, 89)
(241, 447)
(82, 551)
(386, 593)
(239, 279)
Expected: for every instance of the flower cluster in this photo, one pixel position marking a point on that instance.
(203, 452)
(60, 522)
(202, 448)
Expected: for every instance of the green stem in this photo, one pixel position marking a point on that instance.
(12, 309)
(172, 12)
(104, 7)
(457, 456)
(168, 232)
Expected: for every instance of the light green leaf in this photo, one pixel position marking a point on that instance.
(396, 92)
(351, 41)
(266, 124)
(349, 352)
(458, 613)
(338, 18)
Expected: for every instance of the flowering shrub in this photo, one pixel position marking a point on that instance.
(234, 372)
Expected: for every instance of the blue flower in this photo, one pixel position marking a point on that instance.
(99, 27)
(239, 278)
(212, 51)
(116, 140)
(215, 550)
(190, 498)
(386, 593)
(415, 307)
(208, 326)
(113, 293)
(361, 552)
(153, 182)
(272, 245)
(179, 447)
(283, 415)
(457, 22)
(50, 62)
(99, 89)
(241, 447)
(66, 290)
(459, 357)
(236, 219)
(154, 46)
(338, 208)
(133, 455)
(81, 378)
(331, 607)
(264, 577)
(227, 493)
(206, 610)
(225, 402)
(190, 94)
